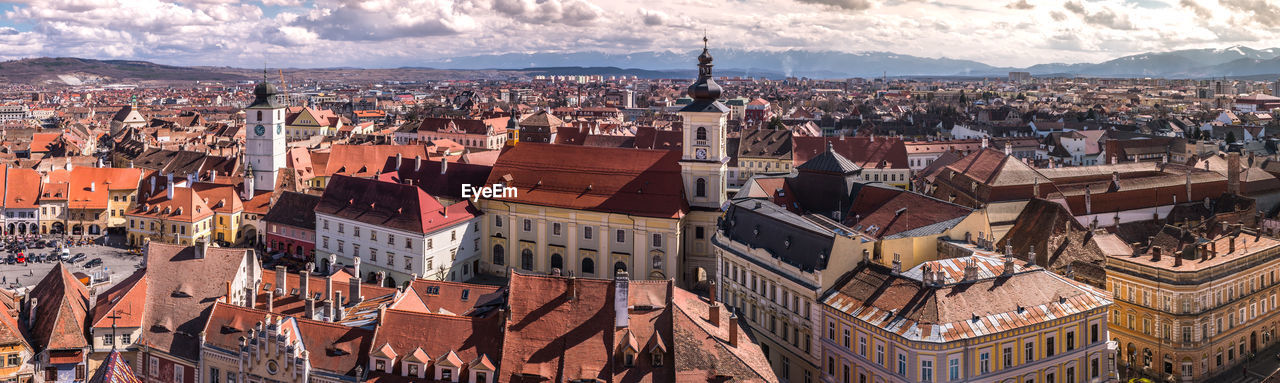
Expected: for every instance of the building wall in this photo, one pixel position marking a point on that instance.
(168, 231)
(503, 228)
(421, 258)
(1202, 327)
(298, 242)
(865, 352)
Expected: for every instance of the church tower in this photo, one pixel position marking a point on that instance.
(705, 161)
(264, 124)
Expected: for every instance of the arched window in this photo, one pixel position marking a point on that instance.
(701, 187)
(526, 259)
(619, 266)
(588, 266)
(557, 262)
(259, 115)
(702, 134)
(499, 255)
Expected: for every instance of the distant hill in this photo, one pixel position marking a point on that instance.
(78, 71)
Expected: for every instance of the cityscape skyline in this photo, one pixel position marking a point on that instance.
(394, 33)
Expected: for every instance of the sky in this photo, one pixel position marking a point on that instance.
(392, 33)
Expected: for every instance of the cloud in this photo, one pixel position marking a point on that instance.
(1262, 12)
(1104, 17)
(571, 12)
(651, 17)
(853, 5)
(1200, 10)
(352, 20)
(1020, 4)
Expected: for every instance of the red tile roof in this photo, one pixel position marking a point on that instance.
(390, 204)
(867, 152)
(62, 307)
(629, 181)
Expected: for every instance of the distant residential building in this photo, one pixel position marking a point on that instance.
(1019, 77)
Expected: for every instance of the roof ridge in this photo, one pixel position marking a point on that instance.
(719, 343)
(431, 314)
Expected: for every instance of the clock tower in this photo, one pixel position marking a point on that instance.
(264, 130)
(705, 162)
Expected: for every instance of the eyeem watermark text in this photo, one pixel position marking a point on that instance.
(492, 191)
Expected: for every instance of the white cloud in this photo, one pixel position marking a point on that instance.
(408, 32)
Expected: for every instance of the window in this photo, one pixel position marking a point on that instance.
(862, 346)
(622, 236)
(1008, 356)
(953, 369)
(984, 362)
(528, 224)
(1093, 368)
(340, 228)
(555, 228)
(1071, 374)
(1071, 340)
(700, 187)
(831, 330)
(588, 266)
(430, 245)
(880, 354)
(1049, 347)
(657, 240)
(408, 243)
(213, 376)
(380, 365)
(373, 235)
(178, 373)
(497, 221)
(1093, 333)
(373, 254)
(698, 233)
(13, 360)
(902, 364)
(846, 338)
(408, 263)
(153, 367)
(1031, 352)
(446, 374)
(355, 230)
(108, 340)
(701, 134)
(526, 259)
(586, 232)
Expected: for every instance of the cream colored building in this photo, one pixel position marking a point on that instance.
(1195, 313)
(980, 318)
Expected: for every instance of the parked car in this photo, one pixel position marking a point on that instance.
(93, 263)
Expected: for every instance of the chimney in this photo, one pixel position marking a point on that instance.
(309, 310)
(1008, 148)
(971, 270)
(711, 291)
(1008, 265)
(1177, 260)
(397, 161)
(733, 330)
(444, 164)
(1213, 248)
(281, 281)
(93, 186)
(713, 314)
(329, 310)
(620, 304)
(304, 282)
(1031, 257)
(356, 296)
(1231, 242)
(355, 266)
(417, 163)
(169, 190)
(1035, 188)
(1155, 254)
(1233, 173)
(337, 299)
(202, 247)
(1088, 200)
(271, 300)
(32, 305)
(379, 277)
(253, 295)
(328, 286)
(897, 264)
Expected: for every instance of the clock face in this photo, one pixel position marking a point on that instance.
(260, 130)
(278, 127)
(701, 153)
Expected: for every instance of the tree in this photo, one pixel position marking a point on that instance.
(1231, 137)
(775, 123)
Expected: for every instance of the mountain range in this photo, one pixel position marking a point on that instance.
(1236, 61)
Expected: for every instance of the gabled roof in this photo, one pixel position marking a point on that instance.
(62, 308)
(178, 301)
(389, 204)
(829, 162)
(114, 369)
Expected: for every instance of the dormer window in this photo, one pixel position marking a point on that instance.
(629, 359)
(413, 369)
(657, 359)
(380, 365)
(446, 374)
